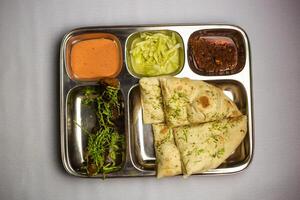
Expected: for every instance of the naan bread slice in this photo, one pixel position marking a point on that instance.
(206, 146)
(167, 154)
(189, 101)
(176, 93)
(151, 99)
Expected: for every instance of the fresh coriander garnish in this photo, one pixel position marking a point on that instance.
(105, 142)
(219, 153)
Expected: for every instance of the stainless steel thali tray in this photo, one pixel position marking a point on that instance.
(139, 155)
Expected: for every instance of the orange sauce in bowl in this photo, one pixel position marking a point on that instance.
(95, 58)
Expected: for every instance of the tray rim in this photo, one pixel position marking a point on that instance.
(110, 29)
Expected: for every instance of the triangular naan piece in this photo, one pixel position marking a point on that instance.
(206, 146)
(151, 99)
(167, 154)
(189, 101)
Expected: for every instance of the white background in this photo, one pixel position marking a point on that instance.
(30, 33)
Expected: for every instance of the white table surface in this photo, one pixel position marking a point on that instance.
(30, 33)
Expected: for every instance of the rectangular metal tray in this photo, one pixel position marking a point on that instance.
(139, 155)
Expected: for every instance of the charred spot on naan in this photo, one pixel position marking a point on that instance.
(203, 101)
(165, 130)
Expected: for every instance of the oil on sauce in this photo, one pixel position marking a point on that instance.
(95, 58)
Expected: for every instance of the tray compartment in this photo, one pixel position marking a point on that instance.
(142, 149)
(141, 135)
(134, 36)
(216, 47)
(81, 119)
(77, 38)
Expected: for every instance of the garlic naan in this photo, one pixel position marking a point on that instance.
(151, 99)
(189, 101)
(206, 146)
(167, 155)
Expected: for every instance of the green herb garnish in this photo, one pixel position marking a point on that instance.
(219, 153)
(105, 145)
(184, 135)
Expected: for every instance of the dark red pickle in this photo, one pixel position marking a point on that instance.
(216, 53)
